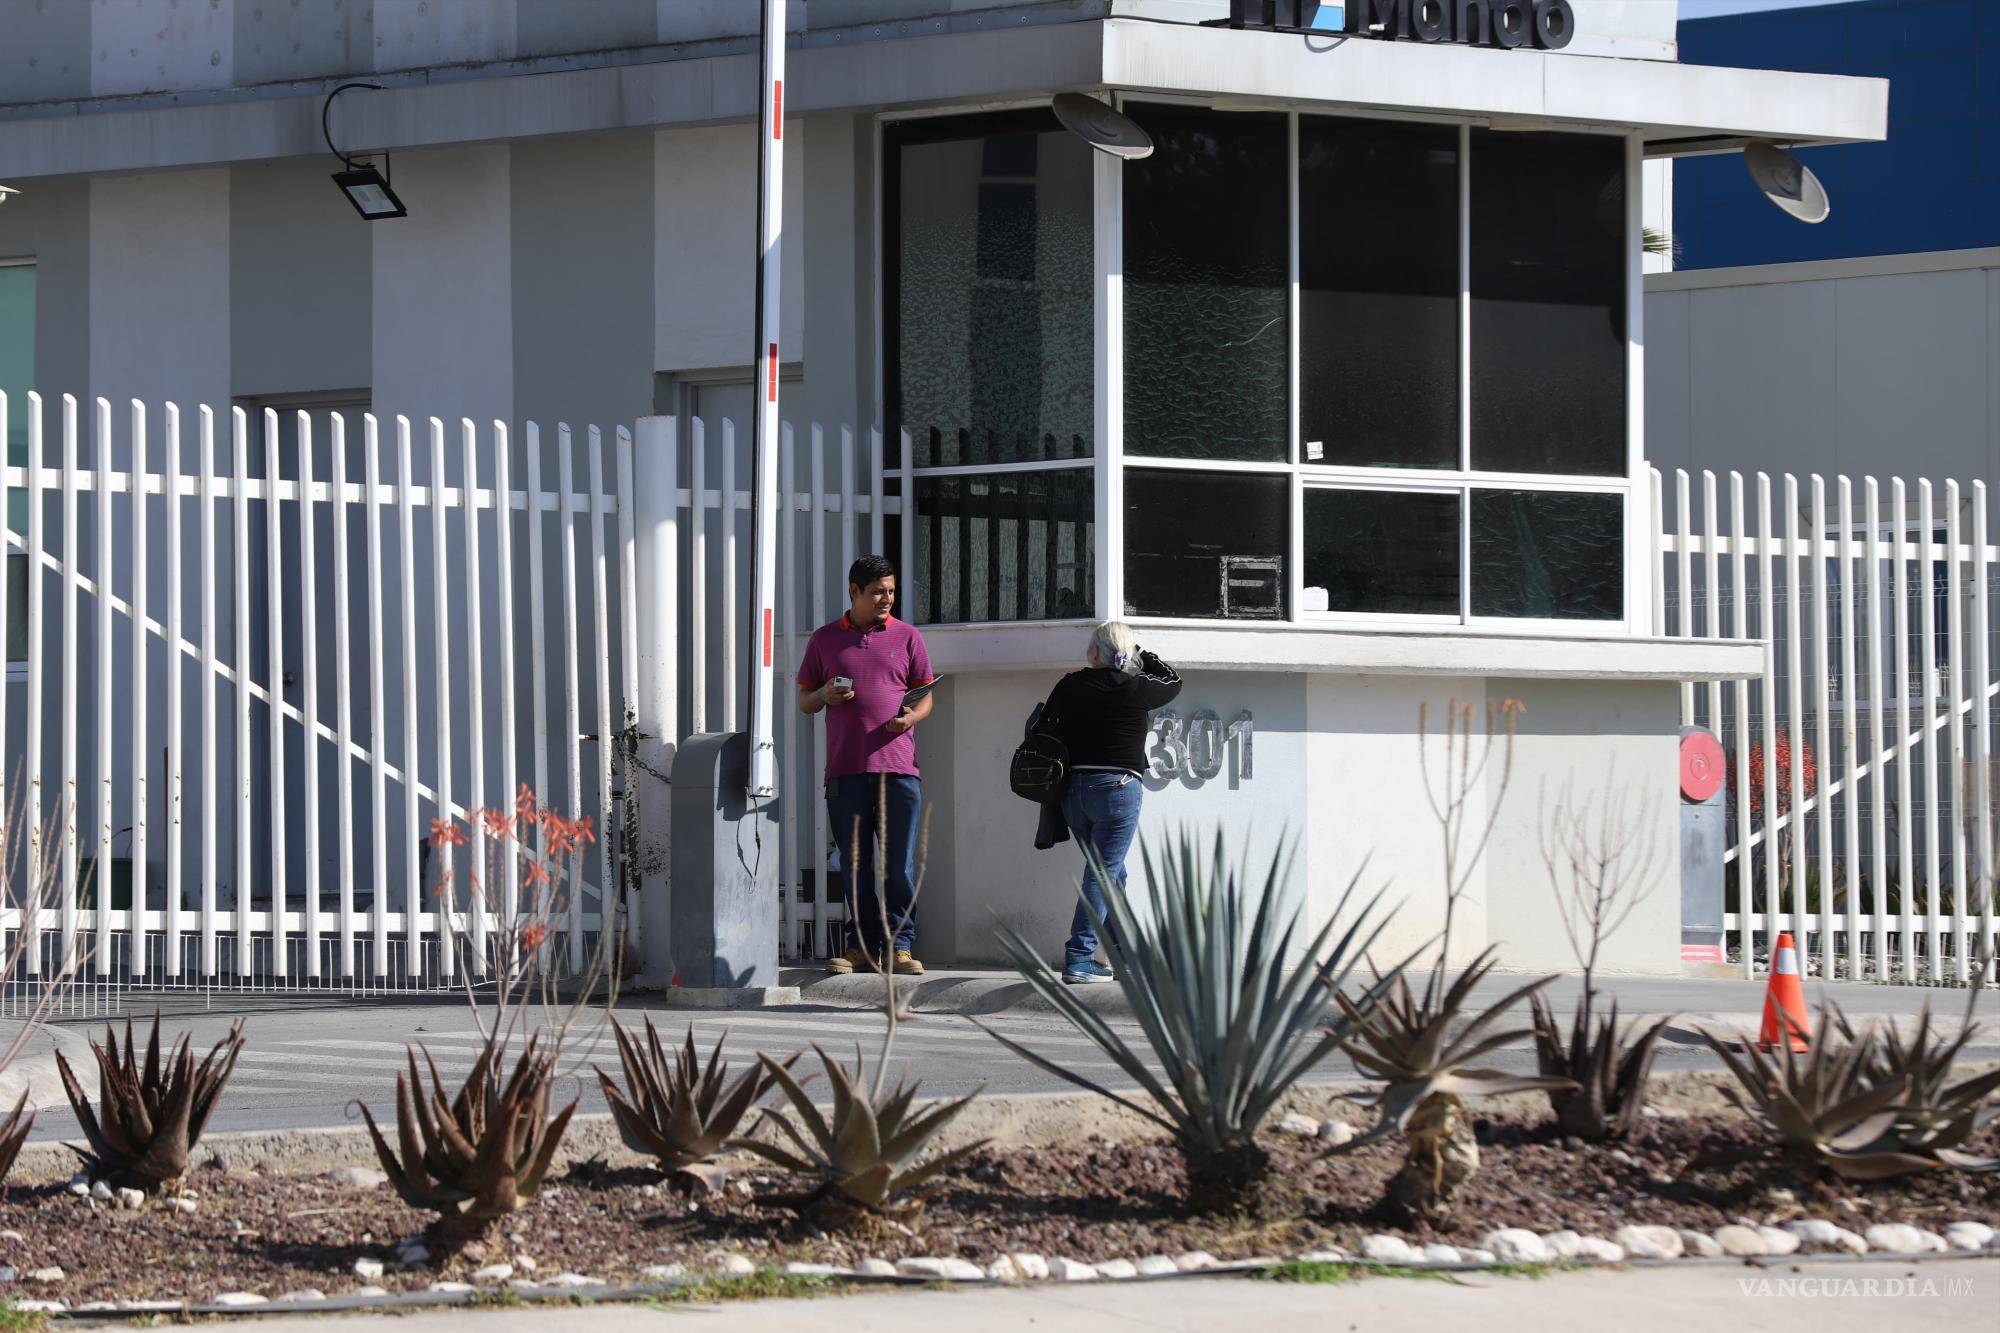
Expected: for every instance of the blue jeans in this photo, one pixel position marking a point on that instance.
(1102, 811)
(854, 807)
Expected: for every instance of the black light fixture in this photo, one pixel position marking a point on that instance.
(365, 187)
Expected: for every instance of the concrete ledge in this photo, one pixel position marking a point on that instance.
(716, 997)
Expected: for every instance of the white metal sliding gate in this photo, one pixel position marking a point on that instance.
(1862, 768)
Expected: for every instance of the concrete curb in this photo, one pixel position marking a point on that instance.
(34, 1070)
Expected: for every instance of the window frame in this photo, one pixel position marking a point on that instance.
(1110, 458)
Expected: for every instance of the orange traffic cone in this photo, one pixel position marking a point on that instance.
(1784, 998)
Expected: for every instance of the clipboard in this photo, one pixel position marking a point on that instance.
(911, 697)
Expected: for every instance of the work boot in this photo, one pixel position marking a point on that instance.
(906, 965)
(852, 961)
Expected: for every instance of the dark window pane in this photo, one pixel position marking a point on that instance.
(1387, 551)
(1014, 546)
(1548, 555)
(1205, 544)
(1207, 287)
(1548, 303)
(990, 319)
(1378, 293)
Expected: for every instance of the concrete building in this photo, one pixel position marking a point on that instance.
(1340, 396)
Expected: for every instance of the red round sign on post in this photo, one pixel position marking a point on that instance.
(1702, 766)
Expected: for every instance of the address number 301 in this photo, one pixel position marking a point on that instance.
(1197, 746)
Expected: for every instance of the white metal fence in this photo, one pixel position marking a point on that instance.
(253, 659)
(1862, 775)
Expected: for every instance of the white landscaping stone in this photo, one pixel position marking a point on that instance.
(1700, 1244)
(41, 1307)
(1117, 1268)
(1071, 1270)
(1566, 1244)
(526, 1263)
(1033, 1267)
(451, 1286)
(493, 1273)
(875, 1268)
(735, 1265)
(1195, 1261)
(1003, 1270)
(665, 1272)
(303, 1295)
(365, 1267)
(100, 1191)
(96, 1307)
(1156, 1265)
(370, 1290)
(1646, 1242)
(963, 1270)
(131, 1198)
(1333, 1133)
(1514, 1245)
(1324, 1257)
(49, 1274)
(1742, 1242)
(356, 1177)
(1601, 1250)
(414, 1252)
(1302, 1125)
(184, 1204)
(1442, 1254)
(13, 1235)
(8, 1272)
(579, 1280)
(240, 1298)
(1819, 1231)
(1385, 1249)
(924, 1267)
(1968, 1235)
(1479, 1256)
(1896, 1238)
(1780, 1240)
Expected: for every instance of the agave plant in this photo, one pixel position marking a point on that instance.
(480, 1154)
(14, 1132)
(1424, 1049)
(865, 1153)
(1232, 1023)
(149, 1116)
(1607, 1066)
(675, 1109)
(1936, 1117)
(1827, 1106)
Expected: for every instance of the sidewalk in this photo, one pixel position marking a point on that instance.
(1823, 1298)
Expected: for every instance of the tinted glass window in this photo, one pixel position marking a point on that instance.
(1384, 551)
(17, 377)
(1205, 544)
(990, 249)
(1548, 303)
(1548, 555)
(1015, 546)
(1206, 287)
(1378, 293)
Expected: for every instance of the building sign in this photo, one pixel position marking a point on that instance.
(1546, 24)
(1197, 746)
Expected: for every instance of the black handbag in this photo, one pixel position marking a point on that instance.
(1041, 762)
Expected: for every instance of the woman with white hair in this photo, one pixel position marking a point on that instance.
(1102, 715)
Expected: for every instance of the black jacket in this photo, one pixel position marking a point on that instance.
(1103, 716)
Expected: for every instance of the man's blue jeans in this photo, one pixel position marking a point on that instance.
(854, 808)
(1102, 811)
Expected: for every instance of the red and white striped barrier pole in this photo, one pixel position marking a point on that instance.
(764, 472)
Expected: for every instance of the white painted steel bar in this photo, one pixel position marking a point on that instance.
(875, 537)
(670, 557)
(848, 535)
(136, 950)
(1823, 724)
(1711, 558)
(211, 794)
(538, 676)
(1745, 861)
(343, 672)
(1684, 572)
(101, 725)
(478, 889)
(906, 525)
(378, 716)
(406, 564)
(608, 904)
(443, 851)
(786, 719)
(1850, 735)
(32, 757)
(1656, 568)
(626, 717)
(1768, 779)
(820, 598)
(7, 540)
(732, 719)
(309, 681)
(274, 555)
(1878, 791)
(764, 470)
(1927, 631)
(572, 716)
(1795, 797)
(1956, 657)
(1900, 571)
(66, 686)
(698, 578)
(239, 464)
(1982, 725)
(510, 755)
(176, 682)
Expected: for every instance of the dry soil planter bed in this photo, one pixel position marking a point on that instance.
(272, 1234)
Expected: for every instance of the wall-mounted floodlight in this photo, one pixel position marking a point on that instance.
(7, 192)
(365, 187)
(1102, 127)
(1787, 182)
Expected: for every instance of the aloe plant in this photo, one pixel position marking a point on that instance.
(676, 1109)
(14, 1132)
(149, 1116)
(1232, 1008)
(1608, 1065)
(1936, 1117)
(866, 1152)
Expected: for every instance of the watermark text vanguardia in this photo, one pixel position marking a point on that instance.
(1904, 1287)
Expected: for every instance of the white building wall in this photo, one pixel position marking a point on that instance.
(143, 46)
(436, 32)
(159, 287)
